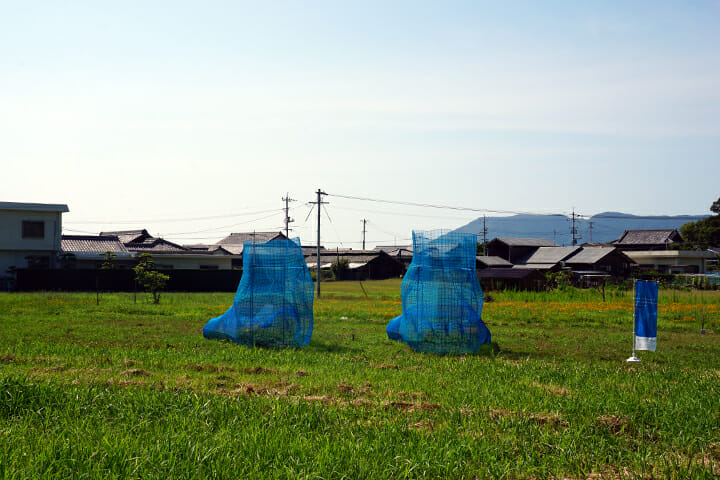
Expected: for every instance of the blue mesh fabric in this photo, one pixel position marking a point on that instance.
(273, 305)
(441, 296)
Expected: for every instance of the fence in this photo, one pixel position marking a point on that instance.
(29, 280)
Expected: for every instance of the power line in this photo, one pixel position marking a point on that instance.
(447, 207)
(226, 226)
(184, 219)
(404, 214)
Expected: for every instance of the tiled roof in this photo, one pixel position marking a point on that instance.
(648, 237)
(535, 266)
(156, 245)
(526, 242)
(550, 254)
(240, 238)
(398, 251)
(129, 236)
(590, 255)
(91, 243)
(493, 261)
(510, 273)
(211, 249)
(394, 248)
(330, 258)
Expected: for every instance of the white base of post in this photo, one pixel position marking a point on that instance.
(633, 359)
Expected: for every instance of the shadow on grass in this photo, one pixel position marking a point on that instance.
(488, 350)
(326, 347)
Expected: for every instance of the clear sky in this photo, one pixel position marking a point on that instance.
(193, 119)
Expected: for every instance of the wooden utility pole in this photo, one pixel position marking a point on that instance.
(363, 232)
(484, 237)
(288, 220)
(319, 204)
(573, 230)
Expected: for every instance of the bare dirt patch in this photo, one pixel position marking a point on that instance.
(210, 368)
(136, 372)
(258, 370)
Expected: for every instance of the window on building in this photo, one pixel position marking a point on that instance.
(33, 229)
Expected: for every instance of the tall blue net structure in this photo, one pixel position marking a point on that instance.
(441, 296)
(273, 305)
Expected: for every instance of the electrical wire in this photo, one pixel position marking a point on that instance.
(183, 219)
(447, 207)
(333, 225)
(403, 214)
(226, 226)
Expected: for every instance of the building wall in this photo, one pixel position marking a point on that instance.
(14, 248)
(672, 261)
(218, 262)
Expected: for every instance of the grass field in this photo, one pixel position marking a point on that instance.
(125, 390)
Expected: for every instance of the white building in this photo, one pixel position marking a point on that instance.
(29, 235)
(672, 261)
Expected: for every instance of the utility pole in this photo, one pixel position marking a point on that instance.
(590, 224)
(573, 230)
(484, 237)
(288, 220)
(319, 204)
(363, 232)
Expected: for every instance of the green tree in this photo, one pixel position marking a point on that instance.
(340, 269)
(148, 278)
(109, 258)
(715, 207)
(706, 232)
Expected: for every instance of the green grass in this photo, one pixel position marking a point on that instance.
(124, 390)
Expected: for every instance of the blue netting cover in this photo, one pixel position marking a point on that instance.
(273, 305)
(441, 296)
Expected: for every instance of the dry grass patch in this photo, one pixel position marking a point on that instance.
(554, 389)
(279, 389)
(385, 366)
(413, 407)
(258, 370)
(425, 424)
(136, 372)
(210, 368)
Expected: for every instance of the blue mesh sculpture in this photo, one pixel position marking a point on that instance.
(441, 296)
(273, 305)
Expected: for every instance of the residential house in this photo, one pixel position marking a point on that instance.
(29, 235)
(546, 258)
(486, 261)
(645, 240)
(600, 260)
(235, 241)
(88, 251)
(403, 253)
(363, 264)
(672, 261)
(169, 255)
(515, 249)
(511, 278)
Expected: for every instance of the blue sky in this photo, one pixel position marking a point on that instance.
(150, 114)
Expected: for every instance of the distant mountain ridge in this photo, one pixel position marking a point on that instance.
(601, 228)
